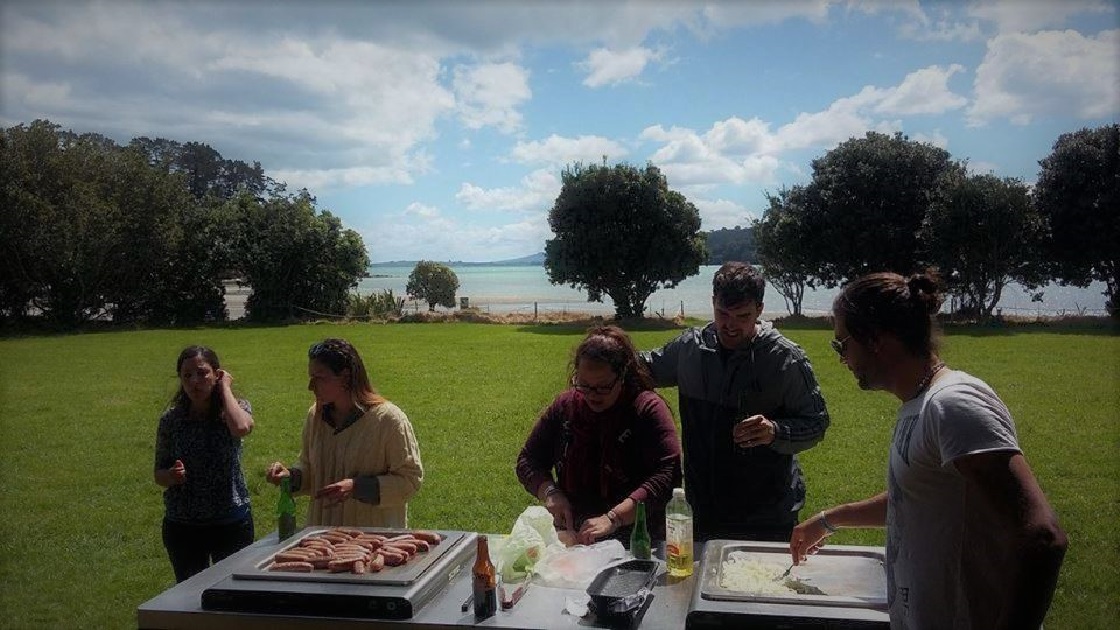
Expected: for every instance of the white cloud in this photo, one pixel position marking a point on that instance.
(942, 31)
(609, 67)
(489, 95)
(558, 151)
(935, 137)
(721, 213)
(1048, 73)
(322, 179)
(537, 192)
(417, 237)
(843, 119)
(946, 22)
(421, 210)
(924, 91)
(1026, 16)
(736, 151)
(689, 159)
(41, 96)
(737, 136)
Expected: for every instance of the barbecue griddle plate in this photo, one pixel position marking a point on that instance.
(399, 576)
(848, 577)
(393, 593)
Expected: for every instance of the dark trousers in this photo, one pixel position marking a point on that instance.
(192, 548)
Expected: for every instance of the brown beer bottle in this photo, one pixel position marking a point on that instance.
(485, 581)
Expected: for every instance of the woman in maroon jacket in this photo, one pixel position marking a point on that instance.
(603, 445)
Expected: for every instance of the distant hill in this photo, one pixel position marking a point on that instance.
(736, 244)
(525, 261)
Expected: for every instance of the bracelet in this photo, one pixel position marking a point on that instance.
(832, 529)
(612, 516)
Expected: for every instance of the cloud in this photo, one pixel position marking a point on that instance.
(925, 91)
(1048, 73)
(318, 108)
(489, 94)
(972, 22)
(1020, 16)
(611, 67)
(736, 151)
(537, 193)
(415, 236)
(421, 210)
(558, 151)
(935, 137)
(690, 159)
(23, 92)
(722, 213)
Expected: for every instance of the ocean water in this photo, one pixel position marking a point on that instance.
(504, 290)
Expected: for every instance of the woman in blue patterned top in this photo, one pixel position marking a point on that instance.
(198, 460)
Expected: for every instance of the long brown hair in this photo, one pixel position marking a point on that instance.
(611, 345)
(339, 355)
(890, 303)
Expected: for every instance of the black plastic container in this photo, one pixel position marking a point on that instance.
(620, 593)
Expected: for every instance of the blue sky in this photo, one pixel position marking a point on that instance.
(439, 129)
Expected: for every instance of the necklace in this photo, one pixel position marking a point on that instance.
(924, 383)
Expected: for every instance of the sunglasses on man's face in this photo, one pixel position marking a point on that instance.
(840, 345)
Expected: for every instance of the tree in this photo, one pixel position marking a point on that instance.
(299, 262)
(983, 232)
(205, 172)
(62, 236)
(783, 247)
(1078, 193)
(433, 283)
(620, 231)
(867, 200)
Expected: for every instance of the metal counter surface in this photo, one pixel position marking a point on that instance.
(180, 608)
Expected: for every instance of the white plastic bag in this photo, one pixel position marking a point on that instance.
(575, 567)
(531, 535)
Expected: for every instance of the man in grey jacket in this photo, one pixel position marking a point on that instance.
(749, 401)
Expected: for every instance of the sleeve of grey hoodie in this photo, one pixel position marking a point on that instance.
(662, 362)
(805, 425)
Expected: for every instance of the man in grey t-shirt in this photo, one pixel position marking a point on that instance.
(972, 541)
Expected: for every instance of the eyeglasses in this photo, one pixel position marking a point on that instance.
(840, 345)
(601, 390)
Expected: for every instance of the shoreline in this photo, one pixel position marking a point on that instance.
(519, 310)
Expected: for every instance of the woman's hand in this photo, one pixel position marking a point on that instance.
(178, 473)
(225, 380)
(336, 492)
(557, 504)
(276, 471)
(595, 528)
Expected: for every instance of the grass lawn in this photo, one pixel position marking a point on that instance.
(78, 415)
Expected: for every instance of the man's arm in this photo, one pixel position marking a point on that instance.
(805, 425)
(662, 362)
(1004, 481)
(810, 533)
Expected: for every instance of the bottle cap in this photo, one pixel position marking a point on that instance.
(678, 493)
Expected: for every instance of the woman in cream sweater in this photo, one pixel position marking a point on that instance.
(359, 460)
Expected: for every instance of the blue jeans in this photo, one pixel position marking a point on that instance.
(193, 548)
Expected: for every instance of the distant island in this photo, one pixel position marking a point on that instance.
(525, 261)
